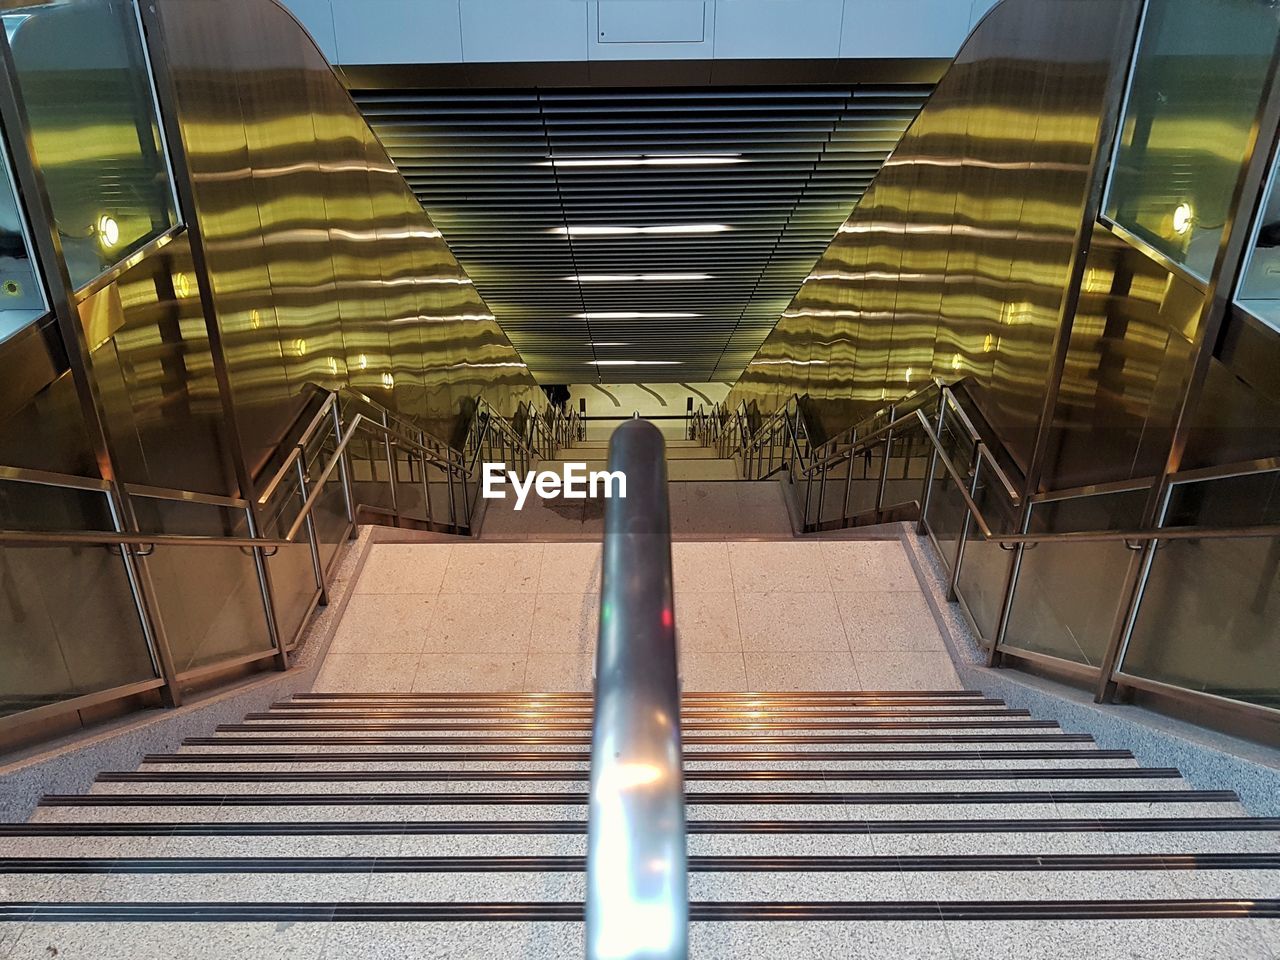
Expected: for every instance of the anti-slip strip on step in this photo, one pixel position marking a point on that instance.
(687, 708)
(580, 799)
(687, 695)
(515, 701)
(776, 716)
(581, 776)
(570, 827)
(994, 737)
(797, 723)
(582, 757)
(697, 864)
(345, 912)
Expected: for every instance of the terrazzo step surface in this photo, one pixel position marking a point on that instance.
(907, 824)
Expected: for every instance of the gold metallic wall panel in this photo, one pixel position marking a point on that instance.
(325, 269)
(955, 262)
(1127, 368)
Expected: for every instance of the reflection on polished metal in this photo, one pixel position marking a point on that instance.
(323, 267)
(955, 262)
(304, 259)
(972, 507)
(299, 502)
(637, 905)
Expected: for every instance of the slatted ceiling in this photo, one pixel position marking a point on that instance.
(478, 162)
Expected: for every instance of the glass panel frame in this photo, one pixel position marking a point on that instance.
(95, 123)
(1210, 608)
(1067, 595)
(1169, 185)
(23, 298)
(1258, 290)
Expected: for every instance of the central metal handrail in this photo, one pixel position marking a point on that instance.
(637, 905)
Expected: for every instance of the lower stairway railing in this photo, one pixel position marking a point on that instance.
(1011, 557)
(163, 555)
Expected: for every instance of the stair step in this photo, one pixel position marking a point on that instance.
(698, 864)
(268, 723)
(1102, 839)
(694, 743)
(349, 933)
(952, 758)
(1146, 826)
(798, 748)
(842, 696)
(540, 883)
(693, 799)
(347, 785)
(451, 808)
(454, 824)
(285, 912)
(390, 710)
(691, 777)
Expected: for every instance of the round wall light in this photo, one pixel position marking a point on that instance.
(108, 231)
(1183, 218)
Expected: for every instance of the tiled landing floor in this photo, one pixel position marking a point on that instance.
(816, 615)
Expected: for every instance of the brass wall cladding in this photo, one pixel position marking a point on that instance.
(156, 376)
(955, 262)
(324, 268)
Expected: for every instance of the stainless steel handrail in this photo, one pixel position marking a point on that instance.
(441, 456)
(46, 479)
(861, 444)
(637, 903)
(321, 417)
(107, 538)
(1088, 536)
(359, 422)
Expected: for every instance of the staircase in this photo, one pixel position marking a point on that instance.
(868, 824)
(686, 459)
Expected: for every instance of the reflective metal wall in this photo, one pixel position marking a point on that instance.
(325, 269)
(136, 407)
(1097, 339)
(955, 264)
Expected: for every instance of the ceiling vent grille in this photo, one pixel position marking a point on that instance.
(610, 229)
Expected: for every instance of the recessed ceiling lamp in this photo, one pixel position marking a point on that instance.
(647, 160)
(635, 315)
(617, 230)
(638, 277)
(633, 363)
(608, 343)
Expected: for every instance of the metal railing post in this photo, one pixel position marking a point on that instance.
(313, 538)
(1137, 575)
(966, 525)
(391, 465)
(268, 598)
(144, 599)
(848, 478)
(884, 464)
(1010, 589)
(344, 469)
(926, 494)
(426, 488)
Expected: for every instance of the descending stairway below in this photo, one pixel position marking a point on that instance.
(708, 498)
(910, 824)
